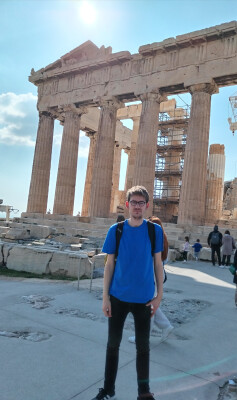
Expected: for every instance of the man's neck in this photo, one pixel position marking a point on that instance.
(135, 222)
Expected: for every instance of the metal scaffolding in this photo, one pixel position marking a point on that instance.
(171, 141)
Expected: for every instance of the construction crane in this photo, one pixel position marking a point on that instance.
(233, 123)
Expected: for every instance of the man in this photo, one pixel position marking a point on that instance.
(215, 242)
(130, 288)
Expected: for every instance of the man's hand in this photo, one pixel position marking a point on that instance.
(155, 303)
(106, 307)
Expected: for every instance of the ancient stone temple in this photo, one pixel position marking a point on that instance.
(89, 88)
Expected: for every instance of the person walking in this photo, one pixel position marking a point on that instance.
(197, 248)
(235, 276)
(228, 245)
(159, 319)
(186, 248)
(129, 288)
(214, 240)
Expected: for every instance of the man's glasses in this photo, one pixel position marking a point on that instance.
(137, 203)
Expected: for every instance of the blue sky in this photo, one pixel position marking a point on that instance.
(34, 33)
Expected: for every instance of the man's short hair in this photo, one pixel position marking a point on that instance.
(138, 191)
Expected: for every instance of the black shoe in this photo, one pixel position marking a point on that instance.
(103, 395)
(147, 396)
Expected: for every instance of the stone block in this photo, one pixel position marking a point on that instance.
(91, 253)
(75, 247)
(23, 258)
(173, 255)
(234, 213)
(18, 234)
(226, 213)
(45, 261)
(205, 254)
(67, 263)
(4, 229)
(99, 260)
(41, 231)
(6, 249)
(66, 239)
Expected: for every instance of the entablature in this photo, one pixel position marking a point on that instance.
(171, 66)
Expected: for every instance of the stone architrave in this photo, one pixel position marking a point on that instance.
(90, 164)
(144, 168)
(193, 190)
(39, 185)
(132, 154)
(67, 169)
(215, 183)
(104, 157)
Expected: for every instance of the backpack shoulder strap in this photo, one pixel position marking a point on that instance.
(152, 235)
(119, 231)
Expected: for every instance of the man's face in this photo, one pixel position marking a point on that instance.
(137, 206)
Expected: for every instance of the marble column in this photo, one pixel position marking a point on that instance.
(215, 183)
(39, 185)
(193, 190)
(88, 180)
(132, 154)
(104, 157)
(144, 168)
(67, 168)
(115, 177)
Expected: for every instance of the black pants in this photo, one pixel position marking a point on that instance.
(185, 255)
(215, 249)
(142, 320)
(227, 261)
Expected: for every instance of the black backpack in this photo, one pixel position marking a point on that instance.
(215, 238)
(152, 237)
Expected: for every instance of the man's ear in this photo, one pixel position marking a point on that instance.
(147, 205)
(126, 204)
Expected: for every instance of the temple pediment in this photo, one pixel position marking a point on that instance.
(87, 51)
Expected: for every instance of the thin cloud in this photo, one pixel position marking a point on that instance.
(18, 118)
(19, 123)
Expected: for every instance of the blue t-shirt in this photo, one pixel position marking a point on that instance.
(197, 247)
(133, 278)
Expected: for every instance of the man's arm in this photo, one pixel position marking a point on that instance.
(158, 269)
(209, 238)
(108, 273)
(221, 237)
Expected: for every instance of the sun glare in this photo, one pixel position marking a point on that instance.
(87, 12)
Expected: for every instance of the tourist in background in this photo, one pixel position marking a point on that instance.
(186, 248)
(228, 245)
(160, 319)
(129, 288)
(197, 248)
(235, 276)
(214, 240)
